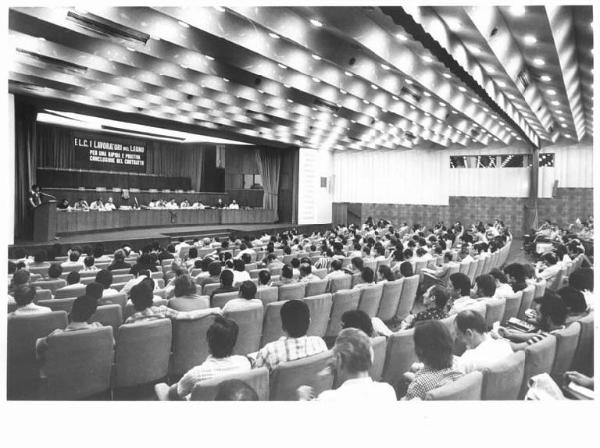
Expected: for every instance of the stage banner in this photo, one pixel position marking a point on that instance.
(108, 153)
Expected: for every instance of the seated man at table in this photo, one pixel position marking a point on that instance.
(81, 204)
(198, 205)
(110, 205)
(153, 203)
(234, 205)
(184, 204)
(171, 205)
(97, 205)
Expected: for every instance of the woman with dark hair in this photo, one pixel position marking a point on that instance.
(144, 263)
(515, 274)
(384, 274)
(186, 298)
(367, 278)
(119, 261)
(406, 269)
(433, 347)
(435, 300)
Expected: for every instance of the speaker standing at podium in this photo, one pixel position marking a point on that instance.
(34, 197)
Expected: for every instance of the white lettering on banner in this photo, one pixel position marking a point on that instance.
(107, 152)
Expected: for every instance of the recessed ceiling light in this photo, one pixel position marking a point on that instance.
(289, 100)
(427, 94)
(261, 91)
(366, 101)
(287, 86)
(210, 58)
(551, 92)
(556, 103)
(474, 49)
(374, 87)
(475, 100)
(401, 37)
(409, 81)
(529, 39)
(462, 89)
(428, 59)
(347, 73)
(568, 135)
(316, 57)
(316, 23)
(447, 75)
(282, 66)
(225, 79)
(539, 62)
(413, 107)
(442, 104)
(501, 84)
(545, 78)
(220, 8)
(343, 92)
(129, 48)
(316, 79)
(454, 24)
(385, 67)
(565, 125)
(395, 98)
(517, 10)
(274, 35)
(183, 24)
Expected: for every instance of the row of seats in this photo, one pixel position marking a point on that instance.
(82, 363)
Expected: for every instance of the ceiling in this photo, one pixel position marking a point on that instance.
(341, 78)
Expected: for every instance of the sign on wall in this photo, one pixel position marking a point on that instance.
(108, 153)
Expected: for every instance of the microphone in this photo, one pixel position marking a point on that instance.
(47, 195)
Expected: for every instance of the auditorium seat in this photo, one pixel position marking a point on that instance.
(58, 304)
(321, 273)
(43, 271)
(117, 299)
(22, 334)
(292, 291)
(356, 279)
(369, 299)
(471, 271)
(52, 285)
(407, 296)
(250, 266)
(316, 287)
(89, 279)
(78, 364)
(512, 306)
(122, 278)
(219, 300)
(319, 307)
(43, 294)
(342, 301)
(271, 330)
(467, 387)
(494, 311)
(267, 294)
(526, 301)
(339, 283)
(313, 371)
(209, 288)
(539, 358)
(254, 272)
(566, 347)
(503, 379)
(400, 355)
(463, 267)
(70, 292)
(129, 309)
(250, 323)
(379, 345)
(142, 354)
(190, 344)
(584, 354)
(188, 303)
(108, 315)
(274, 271)
(257, 379)
(540, 289)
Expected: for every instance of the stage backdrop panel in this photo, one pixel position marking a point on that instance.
(108, 153)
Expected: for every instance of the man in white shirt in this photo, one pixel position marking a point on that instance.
(336, 270)
(306, 274)
(503, 289)
(73, 261)
(234, 205)
(353, 359)
(110, 205)
(24, 296)
(482, 350)
(247, 299)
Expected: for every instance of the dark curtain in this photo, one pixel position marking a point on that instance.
(176, 160)
(25, 166)
(269, 166)
(55, 147)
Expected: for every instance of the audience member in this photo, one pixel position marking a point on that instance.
(24, 296)
(247, 298)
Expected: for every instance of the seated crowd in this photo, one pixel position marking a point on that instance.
(154, 204)
(185, 280)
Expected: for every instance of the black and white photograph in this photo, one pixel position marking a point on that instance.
(365, 206)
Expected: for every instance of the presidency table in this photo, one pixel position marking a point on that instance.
(79, 221)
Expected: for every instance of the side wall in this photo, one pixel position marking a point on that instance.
(419, 186)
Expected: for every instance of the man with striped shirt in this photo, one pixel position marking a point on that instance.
(295, 319)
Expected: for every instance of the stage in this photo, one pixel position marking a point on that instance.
(137, 238)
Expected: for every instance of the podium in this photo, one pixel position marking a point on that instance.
(44, 222)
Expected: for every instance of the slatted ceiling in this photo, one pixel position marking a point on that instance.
(351, 81)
